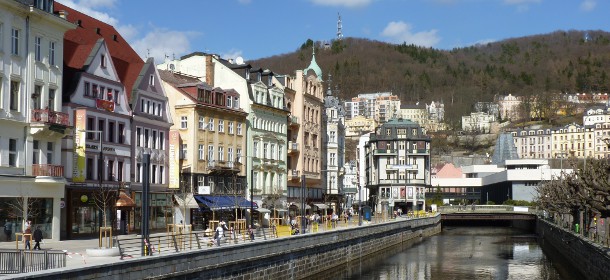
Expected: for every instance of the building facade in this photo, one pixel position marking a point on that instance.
(398, 166)
(333, 160)
(31, 82)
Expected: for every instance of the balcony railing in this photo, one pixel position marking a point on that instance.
(294, 174)
(385, 152)
(294, 120)
(293, 147)
(47, 170)
(50, 117)
(226, 165)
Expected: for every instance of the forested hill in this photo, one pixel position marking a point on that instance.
(562, 61)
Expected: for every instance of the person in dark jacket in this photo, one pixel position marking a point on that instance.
(37, 238)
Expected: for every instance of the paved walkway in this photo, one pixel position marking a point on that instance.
(77, 256)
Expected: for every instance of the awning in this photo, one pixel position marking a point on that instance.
(321, 206)
(299, 205)
(125, 201)
(223, 202)
(263, 210)
(190, 200)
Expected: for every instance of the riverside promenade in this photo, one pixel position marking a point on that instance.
(77, 258)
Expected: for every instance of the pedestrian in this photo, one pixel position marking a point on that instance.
(219, 233)
(37, 238)
(251, 233)
(8, 229)
(27, 236)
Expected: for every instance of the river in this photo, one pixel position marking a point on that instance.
(462, 253)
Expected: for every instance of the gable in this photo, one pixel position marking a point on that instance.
(99, 62)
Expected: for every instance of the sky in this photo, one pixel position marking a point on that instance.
(256, 29)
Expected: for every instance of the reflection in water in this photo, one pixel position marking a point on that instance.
(460, 253)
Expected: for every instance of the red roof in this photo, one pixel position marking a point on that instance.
(79, 42)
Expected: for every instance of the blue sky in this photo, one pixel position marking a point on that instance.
(261, 28)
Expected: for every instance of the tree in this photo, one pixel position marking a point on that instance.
(23, 207)
(105, 197)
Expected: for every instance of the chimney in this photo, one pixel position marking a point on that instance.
(209, 66)
(63, 14)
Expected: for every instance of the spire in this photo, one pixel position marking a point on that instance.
(329, 91)
(313, 65)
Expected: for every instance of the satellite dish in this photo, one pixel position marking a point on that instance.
(239, 60)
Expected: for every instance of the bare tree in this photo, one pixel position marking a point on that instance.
(23, 207)
(105, 197)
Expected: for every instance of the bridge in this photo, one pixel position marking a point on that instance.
(497, 215)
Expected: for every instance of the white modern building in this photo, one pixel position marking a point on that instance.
(31, 71)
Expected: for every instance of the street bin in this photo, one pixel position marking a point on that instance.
(366, 212)
(576, 227)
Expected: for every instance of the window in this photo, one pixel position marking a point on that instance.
(101, 126)
(201, 122)
(35, 152)
(221, 126)
(14, 96)
(200, 181)
(183, 122)
(238, 128)
(230, 127)
(103, 60)
(146, 138)
(230, 154)
(116, 97)
(119, 171)
(154, 140)
(138, 173)
(273, 155)
(49, 152)
(236, 102)
(15, 41)
(37, 50)
(221, 153)
(211, 124)
(333, 136)
(229, 101)
(142, 105)
(90, 123)
(151, 80)
(161, 140)
(153, 174)
(139, 136)
(111, 131)
(12, 152)
(280, 152)
(210, 152)
(238, 157)
(333, 157)
(87, 89)
(51, 102)
(121, 133)
(161, 174)
(94, 91)
(51, 53)
(201, 152)
(255, 149)
(184, 149)
(110, 172)
(89, 168)
(36, 98)
(265, 155)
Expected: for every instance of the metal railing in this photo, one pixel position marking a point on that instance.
(22, 261)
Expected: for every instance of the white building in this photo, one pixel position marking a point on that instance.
(478, 122)
(31, 70)
(334, 150)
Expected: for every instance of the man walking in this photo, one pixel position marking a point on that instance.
(219, 233)
(8, 229)
(37, 238)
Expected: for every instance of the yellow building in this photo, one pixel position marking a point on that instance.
(573, 140)
(359, 125)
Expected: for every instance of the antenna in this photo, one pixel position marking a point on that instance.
(339, 28)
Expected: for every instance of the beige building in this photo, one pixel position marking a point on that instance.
(573, 140)
(509, 106)
(533, 143)
(211, 126)
(359, 125)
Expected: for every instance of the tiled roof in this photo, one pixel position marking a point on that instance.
(177, 79)
(79, 42)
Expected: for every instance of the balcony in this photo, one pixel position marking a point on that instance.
(293, 174)
(47, 170)
(385, 152)
(293, 147)
(420, 151)
(401, 167)
(50, 117)
(293, 121)
(219, 165)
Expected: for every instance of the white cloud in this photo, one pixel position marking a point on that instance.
(401, 32)
(162, 42)
(588, 5)
(345, 3)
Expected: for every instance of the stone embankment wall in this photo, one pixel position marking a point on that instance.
(592, 260)
(292, 257)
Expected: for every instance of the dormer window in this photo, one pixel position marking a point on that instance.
(103, 60)
(151, 80)
(247, 74)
